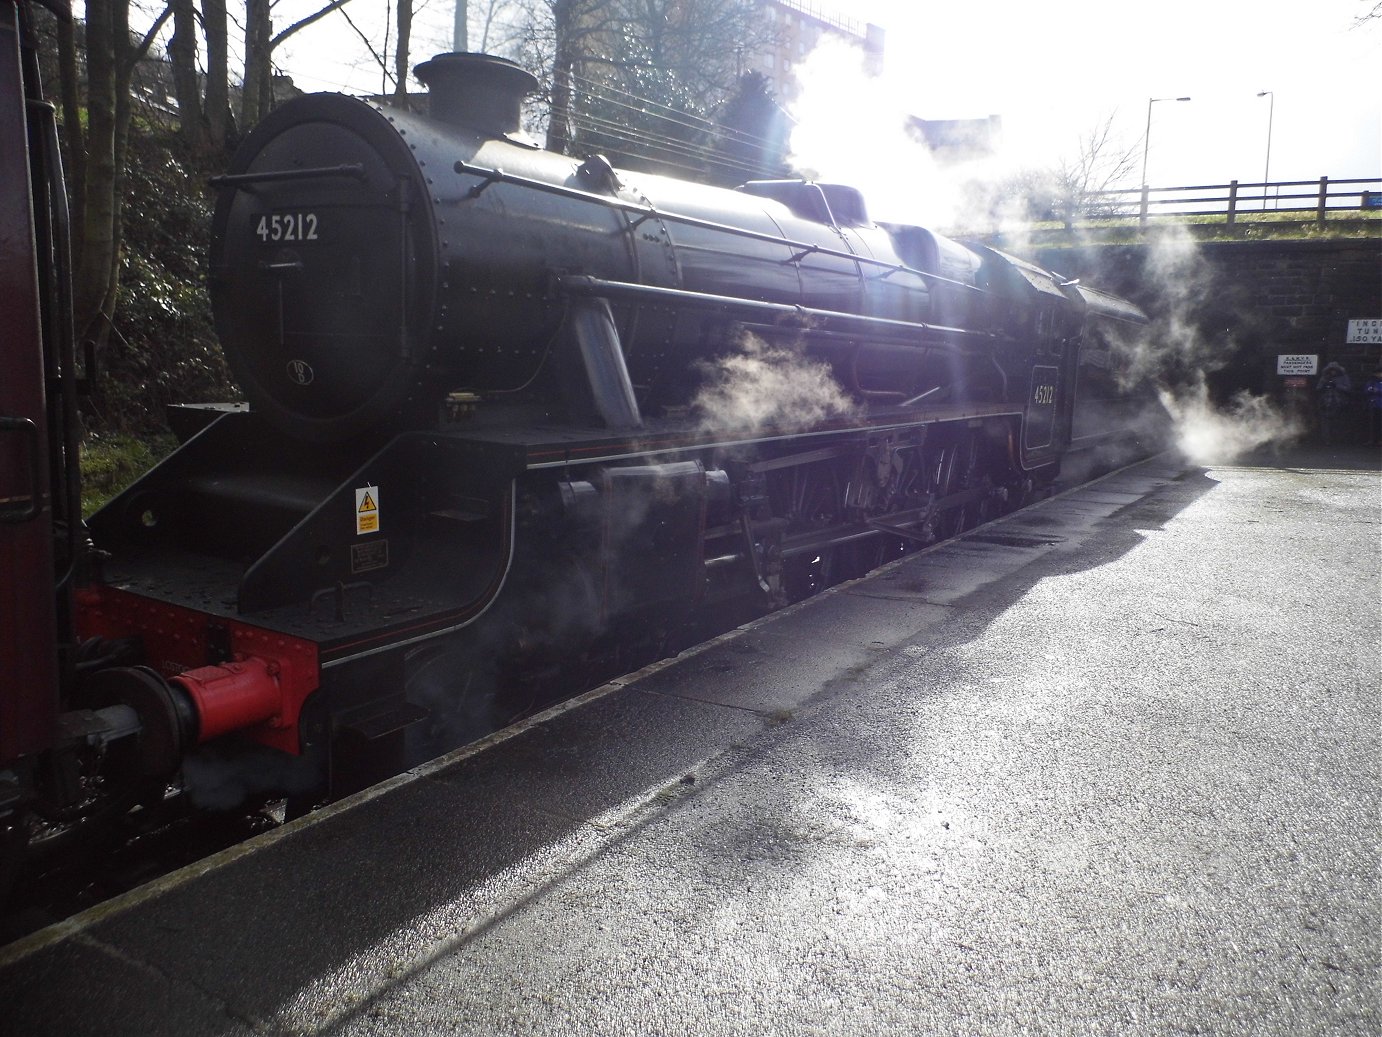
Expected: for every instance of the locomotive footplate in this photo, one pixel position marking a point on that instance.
(541, 447)
(295, 541)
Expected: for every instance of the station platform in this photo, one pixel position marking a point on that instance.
(1109, 765)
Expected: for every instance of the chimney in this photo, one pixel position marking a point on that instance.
(479, 91)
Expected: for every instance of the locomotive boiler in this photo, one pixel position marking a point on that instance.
(368, 259)
(516, 416)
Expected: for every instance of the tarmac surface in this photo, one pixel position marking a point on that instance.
(1107, 766)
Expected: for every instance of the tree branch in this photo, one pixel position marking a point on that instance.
(369, 46)
(333, 6)
(141, 51)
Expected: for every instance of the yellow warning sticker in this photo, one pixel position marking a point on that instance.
(366, 510)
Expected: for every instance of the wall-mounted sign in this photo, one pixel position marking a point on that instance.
(1297, 363)
(1364, 331)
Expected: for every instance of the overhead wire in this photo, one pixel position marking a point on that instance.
(623, 133)
(698, 121)
(626, 146)
(649, 137)
(679, 116)
(613, 134)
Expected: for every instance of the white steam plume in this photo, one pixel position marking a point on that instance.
(1178, 356)
(1180, 282)
(1207, 434)
(855, 128)
(763, 386)
(852, 128)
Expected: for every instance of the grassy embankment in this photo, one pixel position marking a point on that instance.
(110, 463)
(1128, 230)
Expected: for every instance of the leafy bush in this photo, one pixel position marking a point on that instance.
(163, 348)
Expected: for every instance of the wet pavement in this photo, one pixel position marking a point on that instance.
(1110, 765)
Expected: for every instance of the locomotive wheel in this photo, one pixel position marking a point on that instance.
(970, 475)
(955, 470)
(459, 695)
(813, 502)
(815, 493)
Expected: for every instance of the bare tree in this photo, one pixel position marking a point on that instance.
(219, 121)
(111, 56)
(1069, 191)
(256, 91)
(260, 43)
(1102, 160)
(404, 41)
(579, 30)
(492, 35)
(182, 53)
(670, 52)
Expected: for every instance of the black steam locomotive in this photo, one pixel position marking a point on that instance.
(512, 414)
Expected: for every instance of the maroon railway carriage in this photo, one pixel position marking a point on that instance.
(33, 422)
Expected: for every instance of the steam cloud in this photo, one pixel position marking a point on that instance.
(1179, 281)
(1207, 434)
(224, 778)
(764, 386)
(1178, 356)
(851, 128)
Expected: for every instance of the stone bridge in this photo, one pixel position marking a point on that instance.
(1231, 307)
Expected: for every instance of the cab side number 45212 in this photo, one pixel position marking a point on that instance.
(287, 226)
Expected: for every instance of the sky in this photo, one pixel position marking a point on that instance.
(1052, 72)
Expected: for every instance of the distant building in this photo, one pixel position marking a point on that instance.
(797, 26)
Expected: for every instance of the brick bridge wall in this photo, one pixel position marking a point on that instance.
(1244, 302)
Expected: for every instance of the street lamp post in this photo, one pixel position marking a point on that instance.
(1147, 137)
(1271, 113)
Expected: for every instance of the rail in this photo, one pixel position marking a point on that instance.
(1302, 201)
(1236, 200)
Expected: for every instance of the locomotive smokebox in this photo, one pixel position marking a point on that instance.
(476, 90)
